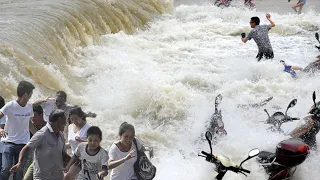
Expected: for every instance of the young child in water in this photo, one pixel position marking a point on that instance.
(290, 69)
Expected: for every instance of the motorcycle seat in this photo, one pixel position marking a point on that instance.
(266, 157)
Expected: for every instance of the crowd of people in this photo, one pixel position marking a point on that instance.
(58, 142)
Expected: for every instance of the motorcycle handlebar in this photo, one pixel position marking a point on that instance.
(235, 169)
(209, 157)
(288, 118)
(205, 153)
(244, 170)
(238, 169)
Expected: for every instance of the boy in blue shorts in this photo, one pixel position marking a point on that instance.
(290, 69)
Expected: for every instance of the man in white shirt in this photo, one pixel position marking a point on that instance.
(60, 102)
(50, 104)
(16, 131)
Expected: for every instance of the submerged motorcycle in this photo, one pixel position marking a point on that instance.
(278, 118)
(315, 64)
(216, 125)
(282, 164)
(306, 130)
(310, 126)
(224, 164)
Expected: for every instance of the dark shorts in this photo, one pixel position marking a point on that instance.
(267, 55)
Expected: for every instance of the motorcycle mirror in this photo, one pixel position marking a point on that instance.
(252, 153)
(267, 113)
(291, 104)
(314, 98)
(209, 139)
(219, 99)
(217, 102)
(317, 36)
(209, 136)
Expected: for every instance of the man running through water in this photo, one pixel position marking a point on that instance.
(260, 35)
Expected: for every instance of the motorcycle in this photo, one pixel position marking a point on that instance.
(282, 164)
(291, 152)
(278, 118)
(216, 126)
(310, 126)
(224, 164)
(315, 64)
(317, 38)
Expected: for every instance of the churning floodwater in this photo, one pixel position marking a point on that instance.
(160, 65)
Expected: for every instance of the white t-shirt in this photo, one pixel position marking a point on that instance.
(82, 133)
(125, 171)
(91, 165)
(48, 106)
(17, 125)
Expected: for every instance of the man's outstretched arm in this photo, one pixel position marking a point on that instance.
(271, 22)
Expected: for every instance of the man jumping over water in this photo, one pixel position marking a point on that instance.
(260, 35)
